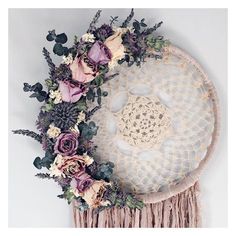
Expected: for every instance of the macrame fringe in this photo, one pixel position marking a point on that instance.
(180, 211)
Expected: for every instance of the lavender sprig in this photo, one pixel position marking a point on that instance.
(128, 19)
(43, 176)
(94, 21)
(152, 29)
(51, 65)
(29, 133)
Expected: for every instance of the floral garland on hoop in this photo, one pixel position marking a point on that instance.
(64, 121)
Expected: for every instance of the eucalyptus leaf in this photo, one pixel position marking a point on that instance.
(90, 94)
(99, 101)
(104, 93)
(61, 38)
(99, 92)
(136, 25)
(50, 37)
(37, 163)
(58, 49)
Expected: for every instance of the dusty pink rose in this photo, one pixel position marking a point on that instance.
(81, 72)
(99, 54)
(66, 144)
(70, 92)
(84, 181)
(73, 166)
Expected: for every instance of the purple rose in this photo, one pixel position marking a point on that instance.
(66, 144)
(70, 92)
(99, 53)
(84, 181)
(104, 31)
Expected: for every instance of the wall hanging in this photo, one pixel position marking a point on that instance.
(127, 122)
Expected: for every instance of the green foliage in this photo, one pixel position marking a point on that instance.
(113, 20)
(91, 112)
(46, 161)
(51, 84)
(59, 38)
(48, 106)
(82, 205)
(156, 43)
(68, 195)
(59, 50)
(88, 130)
(51, 35)
(121, 199)
(81, 104)
(37, 162)
(90, 95)
(96, 93)
(133, 202)
(99, 80)
(37, 90)
(138, 26)
(104, 171)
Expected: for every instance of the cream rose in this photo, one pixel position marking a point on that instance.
(93, 195)
(67, 166)
(114, 43)
(53, 131)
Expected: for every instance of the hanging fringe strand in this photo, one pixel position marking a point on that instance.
(180, 211)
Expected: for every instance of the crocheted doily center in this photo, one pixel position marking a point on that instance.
(144, 121)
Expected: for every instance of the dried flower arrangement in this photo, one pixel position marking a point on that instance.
(64, 122)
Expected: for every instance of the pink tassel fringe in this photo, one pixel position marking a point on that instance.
(180, 211)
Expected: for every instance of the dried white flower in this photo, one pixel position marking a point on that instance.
(67, 60)
(81, 117)
(88, 37)
(53, 131)
(54, 170)
(75, 129)
(130, 29)
(87, 159)
(56, 95)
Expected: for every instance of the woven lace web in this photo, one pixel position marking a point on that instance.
(156, 124)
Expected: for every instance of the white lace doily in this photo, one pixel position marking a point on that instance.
(156, 123)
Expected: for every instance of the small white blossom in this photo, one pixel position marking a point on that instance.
(81, 117)
(56, 95)
(130, 29)
(67, 60)
(53, 131)
(54, 168)
(88, 38)
(119, 29)
(75, 129)
(87, 159)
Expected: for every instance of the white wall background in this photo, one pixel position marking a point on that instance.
(201, 32)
